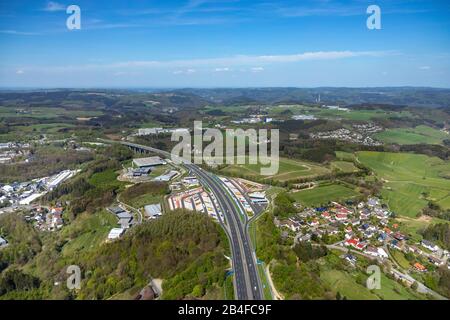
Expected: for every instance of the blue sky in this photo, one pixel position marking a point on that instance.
(224, 43)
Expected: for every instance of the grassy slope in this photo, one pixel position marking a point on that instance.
(344, 166)
(323, 194)
(419, 134)
(288, 169)
(407, 176)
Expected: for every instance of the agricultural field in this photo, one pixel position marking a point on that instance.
(410, 180)
(346, 285)
(419, 134)
(289, 169)
(352, 284)
(343, 166)
(324, 193)
(345, 156)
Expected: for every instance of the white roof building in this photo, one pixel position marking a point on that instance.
(7, 188)
(31, 198)
(153, 210)
(115, 233)
(166, 177)
(3, 242)
(148, 162)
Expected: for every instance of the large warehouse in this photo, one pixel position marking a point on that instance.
(148, 162)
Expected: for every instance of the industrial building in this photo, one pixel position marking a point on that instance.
(148, 162)
(153, 211)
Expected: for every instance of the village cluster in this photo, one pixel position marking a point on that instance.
(366, 228)
(46, 218)
(253, 119)
(9, 151)
(346, 135)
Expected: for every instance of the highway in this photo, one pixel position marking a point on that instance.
(247, 283)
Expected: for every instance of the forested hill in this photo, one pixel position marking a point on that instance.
(185, 249)
(406, 96)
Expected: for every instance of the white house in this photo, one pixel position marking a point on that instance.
(429, 245)
(382, 253)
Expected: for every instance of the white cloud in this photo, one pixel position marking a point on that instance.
(187, 71)
(425, 68)
(216, 64)
(226, 69)
(257, 69)
(125, 73)
(20, 71)
(19, 33)
(248, 60)
(54, 6)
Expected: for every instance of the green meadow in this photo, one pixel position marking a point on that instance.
(289, 169)
(47, 112)
(343, 166)
(347, 286)
(324, 193)
(419, 134)
(410, 180)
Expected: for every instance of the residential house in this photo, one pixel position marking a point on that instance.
(437, 262)
(350, 258)
(419, 267)
(429, 245)
(292, 225)
(354, 242)
(396, 244)
(341, 217)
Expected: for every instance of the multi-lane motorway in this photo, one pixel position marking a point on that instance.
(247, 282)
